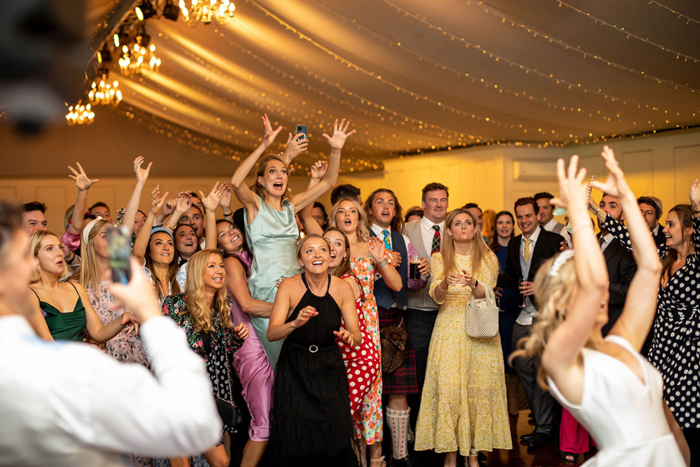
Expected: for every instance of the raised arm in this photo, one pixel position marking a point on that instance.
(235, 278)
(210, 204)
(132, 206)
(640, 306)
(695, 206)
(560, 357)
(384, 262)
(337, 141)
(311, 225)
(225, 203)
(183, 203)
(144, 236)
(295, 145)
(83, 183)
(245, 195)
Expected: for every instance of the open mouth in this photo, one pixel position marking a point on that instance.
(218, 279)
(278, 185)
(333, 256)
(60, 263)
(188, 243)
(235, 238)
(317, 263)
(348, 222)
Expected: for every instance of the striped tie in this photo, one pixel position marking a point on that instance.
(436, 240)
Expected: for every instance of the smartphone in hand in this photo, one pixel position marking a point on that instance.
(119, 250)
(302, 129)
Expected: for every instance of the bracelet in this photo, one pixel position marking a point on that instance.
(383, 263)
(582, 226)
(230, 213)
(170, 226)
(443, 291)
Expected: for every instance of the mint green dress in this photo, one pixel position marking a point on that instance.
(272, 237)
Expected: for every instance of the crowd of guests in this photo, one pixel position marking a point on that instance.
(293, 308)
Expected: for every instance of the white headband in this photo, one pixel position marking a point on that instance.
(563, 257)
(88, 229)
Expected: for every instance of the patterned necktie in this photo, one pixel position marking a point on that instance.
(387, 243)
(527, 250)
(435, 247)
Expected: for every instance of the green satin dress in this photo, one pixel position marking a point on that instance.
(65, 326)
(272, 238)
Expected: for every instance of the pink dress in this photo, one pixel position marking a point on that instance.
(371, 419)
(255, 373)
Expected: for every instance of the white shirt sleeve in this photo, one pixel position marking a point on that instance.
(124, 408)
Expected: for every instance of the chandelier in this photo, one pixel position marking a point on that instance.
(203, 11)
(80, 114)
(139, 57)
(104, 93)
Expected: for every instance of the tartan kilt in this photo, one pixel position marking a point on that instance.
(403, 380)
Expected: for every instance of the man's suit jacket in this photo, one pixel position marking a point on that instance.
(660, 237)
(548, 244)
(621, 269)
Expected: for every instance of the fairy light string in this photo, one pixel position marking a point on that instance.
(677, 14)
(597, 20)
(579, 50)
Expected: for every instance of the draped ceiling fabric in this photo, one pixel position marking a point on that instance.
(420, 76)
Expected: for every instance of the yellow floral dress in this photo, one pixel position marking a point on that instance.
(464, 396)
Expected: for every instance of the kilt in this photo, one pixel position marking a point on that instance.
(403, 380)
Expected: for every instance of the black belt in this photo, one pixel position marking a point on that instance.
(313, 348)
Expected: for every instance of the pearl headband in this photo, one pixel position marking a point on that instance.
(561, 260)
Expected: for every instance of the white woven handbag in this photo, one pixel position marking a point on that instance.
(482, 315)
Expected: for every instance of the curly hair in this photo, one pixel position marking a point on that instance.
(362, 221)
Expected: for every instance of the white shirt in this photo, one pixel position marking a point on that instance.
(428, 232)
(655, 232)
(378, 231)
(607, 240)
(68, 404)
(549, 227)
(529, 312)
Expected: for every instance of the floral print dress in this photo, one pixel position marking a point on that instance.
(371, 421)
(224, 344)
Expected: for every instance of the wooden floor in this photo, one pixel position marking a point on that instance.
(519, 456)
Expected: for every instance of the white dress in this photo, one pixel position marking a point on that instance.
(624, 415)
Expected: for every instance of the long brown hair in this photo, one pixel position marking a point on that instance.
(344, 267)
(685, 218)
(397, 222)
(362, 221)
(494, 245)
(172, 271)
(447, 249)
(260, 172)
(202, 312)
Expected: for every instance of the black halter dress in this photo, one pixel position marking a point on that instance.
(311, 422)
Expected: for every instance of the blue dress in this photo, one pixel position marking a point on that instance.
(272, 237)
(509, 311)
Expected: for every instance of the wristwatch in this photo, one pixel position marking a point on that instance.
(476, 284)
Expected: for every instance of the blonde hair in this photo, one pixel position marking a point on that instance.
(489, 230)
(260, 172)
(35, 240)
(553, 294)
(447, 248)
(88, 272)
(199, 310)
(362, 220)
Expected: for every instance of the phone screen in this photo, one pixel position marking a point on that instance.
(303, 129)
(119, 249)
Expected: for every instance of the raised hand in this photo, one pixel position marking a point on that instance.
(376, 249)
(157, 201)
(304, 315)
(615, 185)
(270, 134)
(212, 200)
(169, 207)
(225, 201)
(318, 170)
(573, 188)
(340, 134)
(183, 203)
(81, 179)
(141, 174)
(695, 194)
(295, 145)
